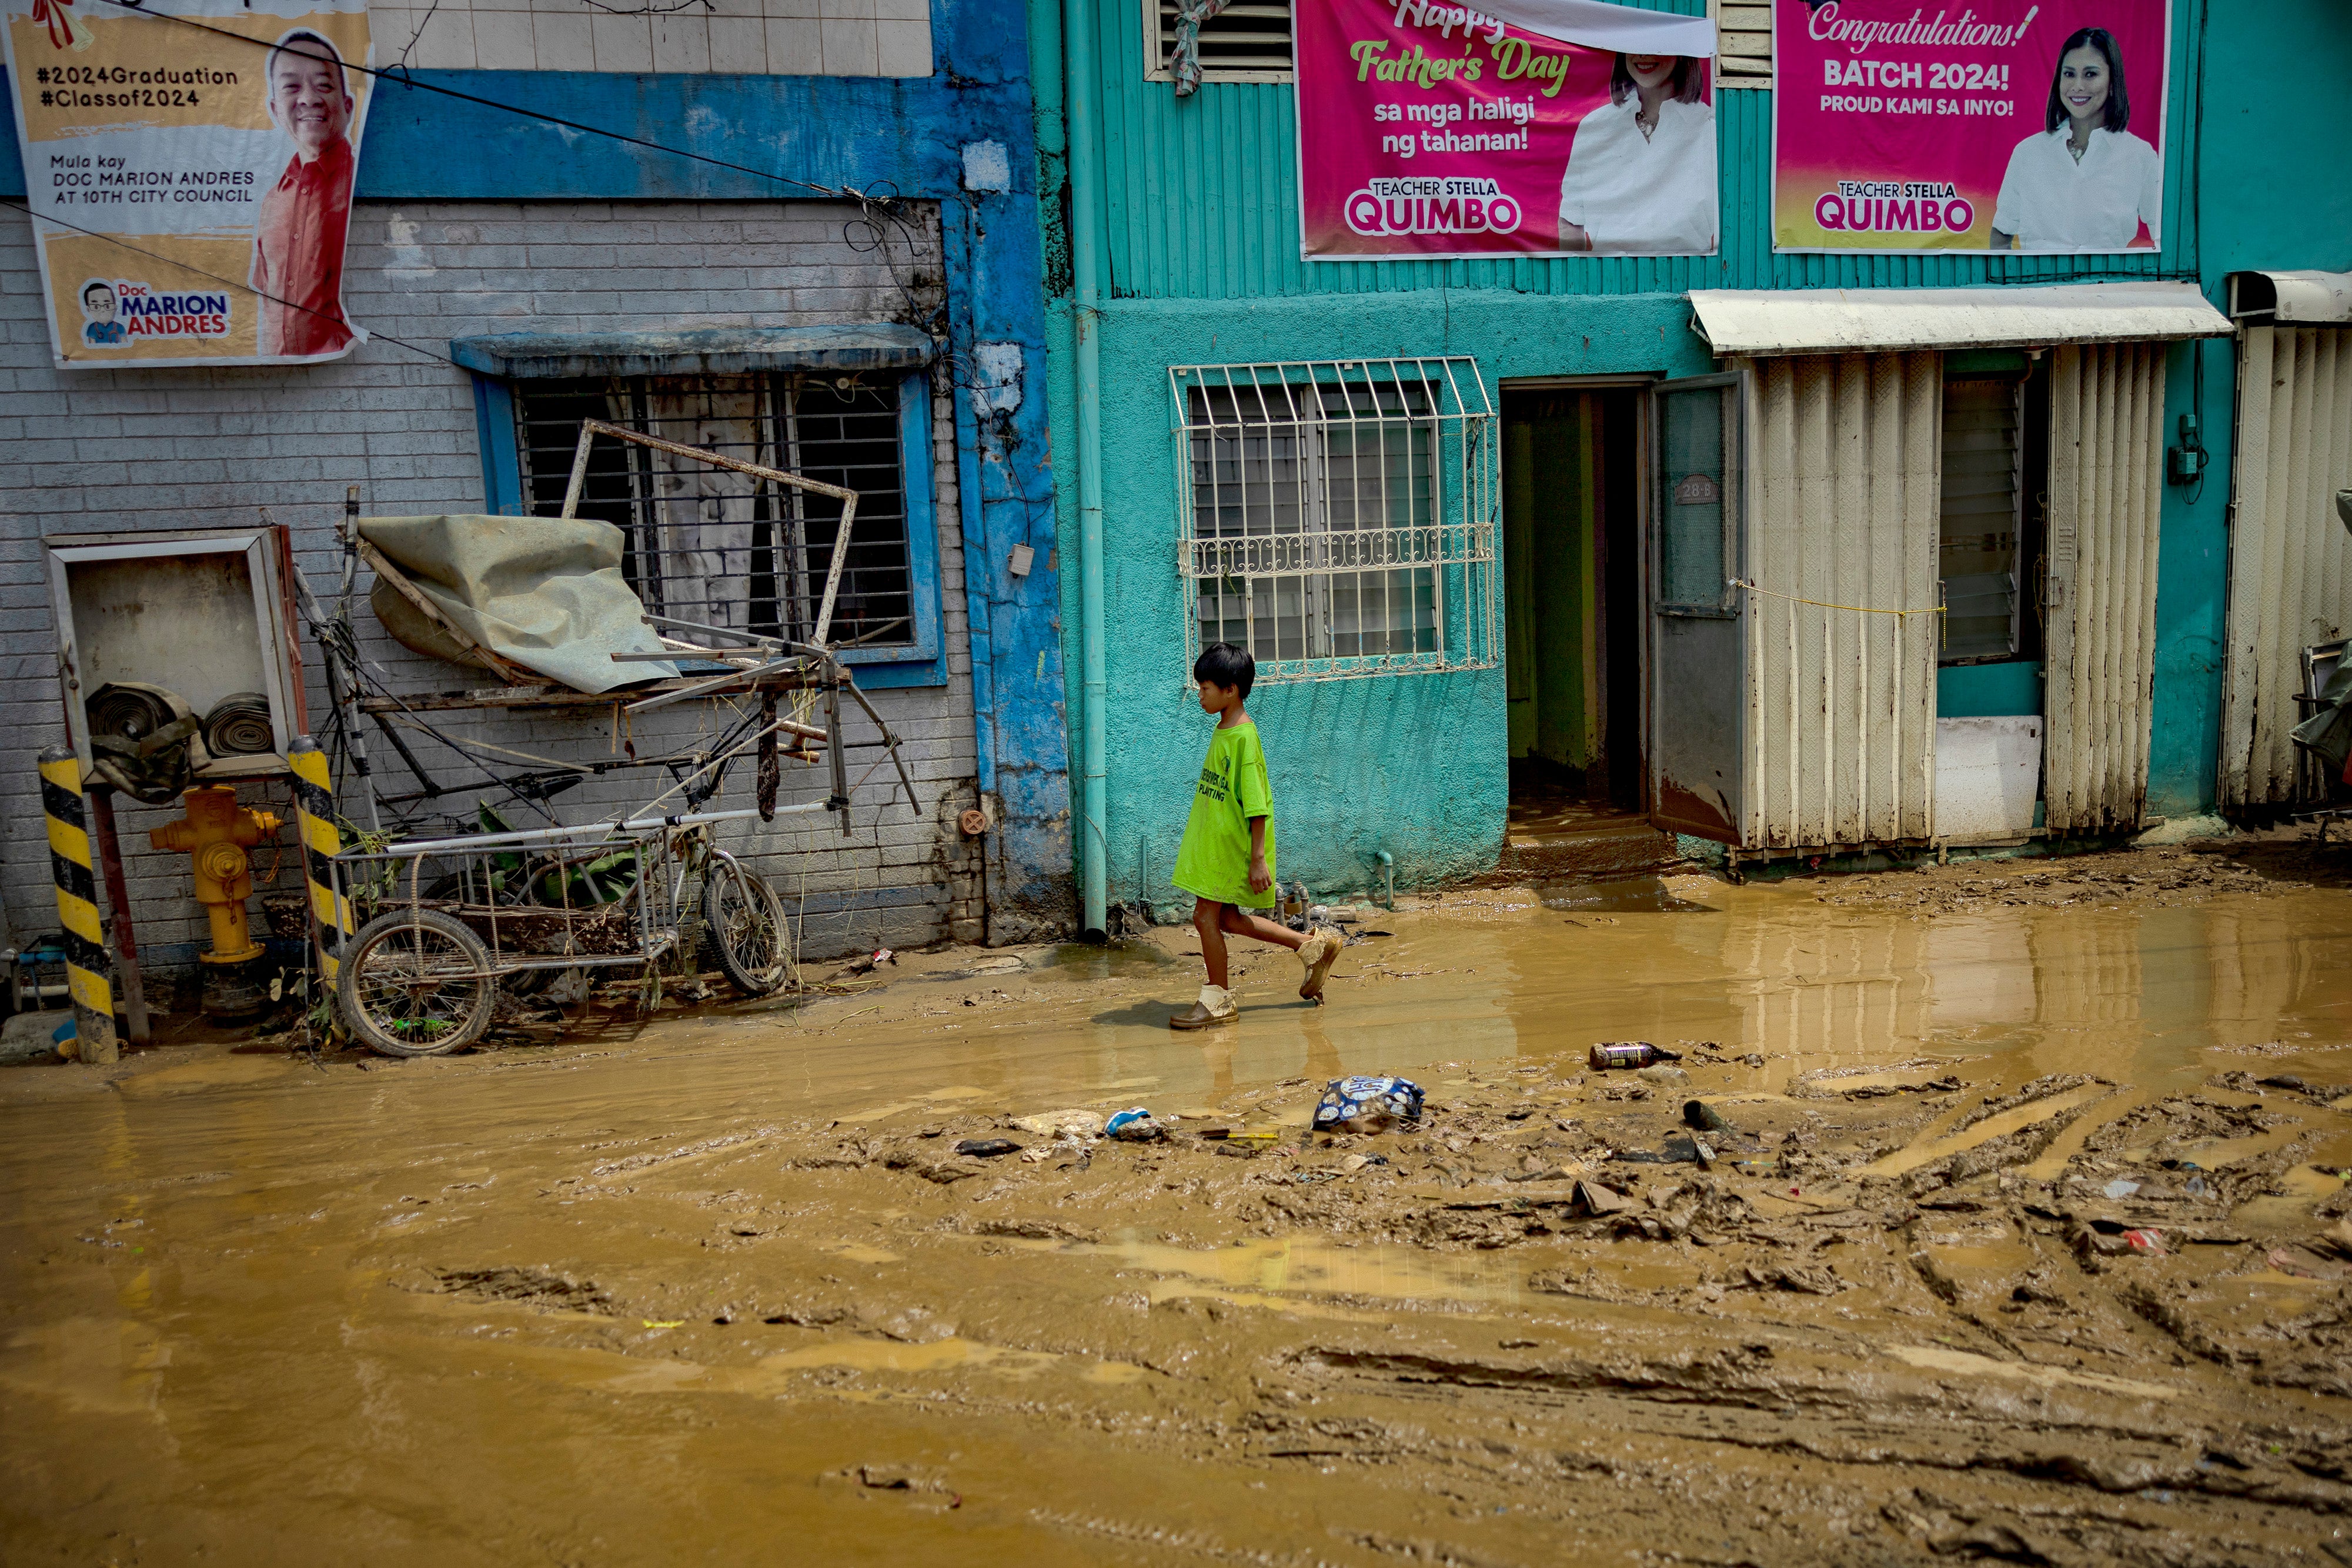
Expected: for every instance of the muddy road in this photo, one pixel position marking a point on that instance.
(2024, 1237)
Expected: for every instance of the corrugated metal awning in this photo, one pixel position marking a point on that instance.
(2313, 298)
(1898, 320)
(698, 350)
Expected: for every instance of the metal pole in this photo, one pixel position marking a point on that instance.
(118, 899)
(840, 801)
(93, 999)
(1085, 325)
(314, 822)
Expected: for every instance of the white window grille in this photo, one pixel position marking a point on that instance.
(1338, 516)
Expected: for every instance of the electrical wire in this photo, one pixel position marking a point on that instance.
(117, 241)
(405, 78)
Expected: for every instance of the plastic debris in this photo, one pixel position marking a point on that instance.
(2148, 1243)
(987, 1148)
(1362, 1104)
(1073, 1123)
(1134, 1127)
(1704, 1117)
(2122, 1186)
(1627, 1054)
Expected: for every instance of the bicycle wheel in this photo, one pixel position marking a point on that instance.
(415, 982)
(744, 929)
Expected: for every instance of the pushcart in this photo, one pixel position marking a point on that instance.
(460, 918)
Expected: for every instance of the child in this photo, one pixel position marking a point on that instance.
(1226, 861)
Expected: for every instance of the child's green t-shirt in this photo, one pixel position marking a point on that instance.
(1213, 861)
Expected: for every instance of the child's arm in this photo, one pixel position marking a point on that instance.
(1260, 878)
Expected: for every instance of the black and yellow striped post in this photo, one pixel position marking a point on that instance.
(93, 997)
(314, 811)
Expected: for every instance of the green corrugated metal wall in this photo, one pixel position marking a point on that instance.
(1201, 197)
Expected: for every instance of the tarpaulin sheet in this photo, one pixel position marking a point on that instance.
(546, 592)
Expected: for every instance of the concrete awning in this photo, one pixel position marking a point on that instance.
(2312, 297)
(1887, 320)
(698, 350)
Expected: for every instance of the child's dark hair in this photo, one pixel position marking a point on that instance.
(1226, 665)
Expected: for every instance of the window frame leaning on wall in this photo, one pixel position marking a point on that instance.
(1432, 415)
(916, 660)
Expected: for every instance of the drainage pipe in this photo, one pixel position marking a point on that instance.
(1081, 98)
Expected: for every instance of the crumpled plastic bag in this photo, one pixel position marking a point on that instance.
(1364, 1104)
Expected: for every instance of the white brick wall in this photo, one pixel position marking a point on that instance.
(89, 450)
(758, 37)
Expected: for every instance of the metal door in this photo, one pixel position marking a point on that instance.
(1697, 666)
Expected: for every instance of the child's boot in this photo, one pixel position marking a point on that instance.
(1215, 1006)
(1318, 953)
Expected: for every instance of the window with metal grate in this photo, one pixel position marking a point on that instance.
(724, 549)
(1247, 41)
(1338, 516)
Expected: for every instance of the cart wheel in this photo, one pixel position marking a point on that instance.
(744, 929)
(417, 983)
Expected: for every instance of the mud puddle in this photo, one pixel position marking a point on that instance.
(2026, 1239)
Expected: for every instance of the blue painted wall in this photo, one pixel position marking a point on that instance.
(1202, 258)
(739, 138)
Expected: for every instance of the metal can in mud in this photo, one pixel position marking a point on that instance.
(1627, 1054)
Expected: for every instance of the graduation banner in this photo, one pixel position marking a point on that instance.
(2034, 125)
(1520, 127)
(191, 184)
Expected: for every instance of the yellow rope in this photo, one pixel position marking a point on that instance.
(1825, 604)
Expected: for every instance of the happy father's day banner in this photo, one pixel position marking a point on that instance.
(2004, 124)
(1523, 127)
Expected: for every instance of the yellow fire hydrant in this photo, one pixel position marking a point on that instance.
(217, 833)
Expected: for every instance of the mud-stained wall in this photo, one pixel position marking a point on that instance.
(1414, 765)
(90, 451)
(1201, 264)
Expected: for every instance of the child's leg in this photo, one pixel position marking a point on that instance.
(1241, 923)
(1207, 917)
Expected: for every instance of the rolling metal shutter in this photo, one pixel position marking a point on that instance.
(1841, 717)
(2107, 456)
(2290, 558)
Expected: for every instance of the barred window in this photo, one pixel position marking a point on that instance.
(1249, 40)
(725, 548)
(1338, 516)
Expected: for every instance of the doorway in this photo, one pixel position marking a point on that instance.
(1572, 609)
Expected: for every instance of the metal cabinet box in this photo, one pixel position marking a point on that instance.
(203, 612)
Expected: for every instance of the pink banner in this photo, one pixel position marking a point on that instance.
(1431, 131)
(2004, 124)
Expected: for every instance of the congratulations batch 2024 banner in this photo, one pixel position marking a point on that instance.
(1529, 126)
(191, 184)
(2001, 124)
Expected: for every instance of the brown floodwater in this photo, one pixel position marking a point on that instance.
(718, 1288)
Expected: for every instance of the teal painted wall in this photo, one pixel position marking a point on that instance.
(1414, 765)
(2271, 194)
(1988, 691)
(1201, 267)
